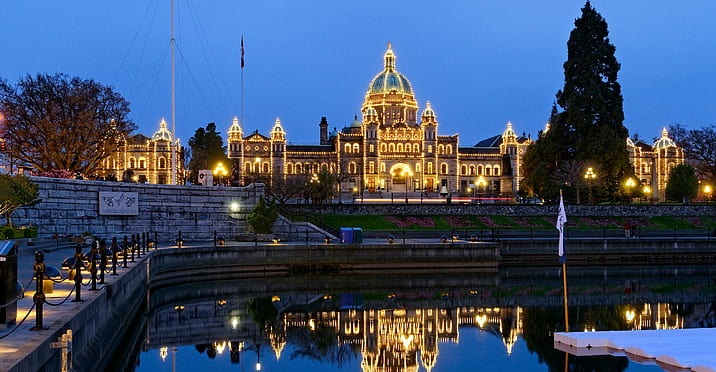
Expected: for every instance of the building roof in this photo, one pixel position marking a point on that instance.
(390, 79)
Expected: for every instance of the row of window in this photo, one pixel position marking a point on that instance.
(399, 147)
(298, 168)
(140, 163)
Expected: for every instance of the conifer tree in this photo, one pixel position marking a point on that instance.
(588, 127)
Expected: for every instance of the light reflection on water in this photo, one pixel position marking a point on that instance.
(456, 324)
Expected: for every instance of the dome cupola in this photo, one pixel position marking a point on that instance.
(163, 134)
(664, 141)
(390, 80)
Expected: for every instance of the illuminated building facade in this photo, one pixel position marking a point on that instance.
(141, 159)
(392, 147)
(653, 163)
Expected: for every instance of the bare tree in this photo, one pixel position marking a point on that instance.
(57, 122)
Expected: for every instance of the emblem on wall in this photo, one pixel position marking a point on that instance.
(118, 203)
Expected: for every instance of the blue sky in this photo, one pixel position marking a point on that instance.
(480, 63)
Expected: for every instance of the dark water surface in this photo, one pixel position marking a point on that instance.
(492, 321)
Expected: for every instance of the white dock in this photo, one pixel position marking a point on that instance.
(678, 349)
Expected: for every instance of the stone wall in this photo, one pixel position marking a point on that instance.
(71, 207)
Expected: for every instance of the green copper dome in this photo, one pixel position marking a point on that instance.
(390, 79)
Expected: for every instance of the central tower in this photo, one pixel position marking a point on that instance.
(391, 95)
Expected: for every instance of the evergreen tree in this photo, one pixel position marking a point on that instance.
(682, 184)
(207, 151)
(589, 128)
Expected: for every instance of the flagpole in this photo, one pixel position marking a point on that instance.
(563, 216)
(242, 81)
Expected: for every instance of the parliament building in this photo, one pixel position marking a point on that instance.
(392, 147)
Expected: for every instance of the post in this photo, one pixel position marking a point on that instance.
(78, 273)
(93, 264)
(114, 248)
(564, 283)
(39, 297)
(124, 250)
(135, 245)
(102, 259)
(156, 240)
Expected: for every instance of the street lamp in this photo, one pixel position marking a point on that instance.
(480, 185)
(647, 192)
(589, 176)
(630, 184)
(257, 168)
(220, 172)
(707, 192)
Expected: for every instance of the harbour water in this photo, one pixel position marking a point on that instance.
(412, 322)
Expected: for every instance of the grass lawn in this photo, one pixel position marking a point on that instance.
(418, 222)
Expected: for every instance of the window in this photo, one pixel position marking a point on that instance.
(372, 147)
(266, 167)
(496, 170)
(430, 149)
(247, 168)
(371, 167)
(352, 168)
(289, 168)
(382, 167)
(408, 148)
(132, 163)
(417, 167)
(400, 147)
(161, 163)
(443, 168)
(463, 169)
(488, 170)
(472, 170)
(430, 167)
(298, 168)
(441, 149)
(391, 147)
(479, 170)
(449, 149)
(382, 147)
(348, 147)
(356, 148)
(142, 163)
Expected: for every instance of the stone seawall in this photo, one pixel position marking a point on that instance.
(71, 207)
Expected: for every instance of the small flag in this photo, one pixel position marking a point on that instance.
(561, 220)
(242, 51)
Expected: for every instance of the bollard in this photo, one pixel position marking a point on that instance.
(78, 273)
(93, 264)
(115, 248)
(143, 244)
(125, 243)
(135, 245)
(102, 259)
(39, 297)
(130, 246)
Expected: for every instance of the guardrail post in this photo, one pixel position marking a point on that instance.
(39, 297)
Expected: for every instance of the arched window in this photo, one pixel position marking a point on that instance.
(161, 163)
(408, 148)
(400, 147)
(352, 168)
(449, 149)
(382, 147)
(247, 168)
(430, 149)
(142, 163)
(324, 167)
(417, 167)
(348, 147)
(298, 168)
(266, 167)
(463, 169)
(356, 148)
(382, 167)
(391, 147)
(488, 170)
(307, 168)
(472, 170)
(289, 168)
(496, 170)
(443, 168)
(441, 149)
(430, 167)
(372, 148)
(132, 163)
(479, 170)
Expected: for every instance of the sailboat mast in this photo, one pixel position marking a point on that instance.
(174, 152)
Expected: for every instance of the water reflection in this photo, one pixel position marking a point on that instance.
(394, 326)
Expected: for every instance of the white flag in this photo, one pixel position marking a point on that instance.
(561, 220)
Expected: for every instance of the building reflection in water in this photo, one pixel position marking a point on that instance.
(385, 339)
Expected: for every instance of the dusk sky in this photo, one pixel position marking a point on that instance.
(479, 63)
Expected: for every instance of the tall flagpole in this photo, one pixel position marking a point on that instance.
(561, 220)
(242, 81)
(174, 151)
